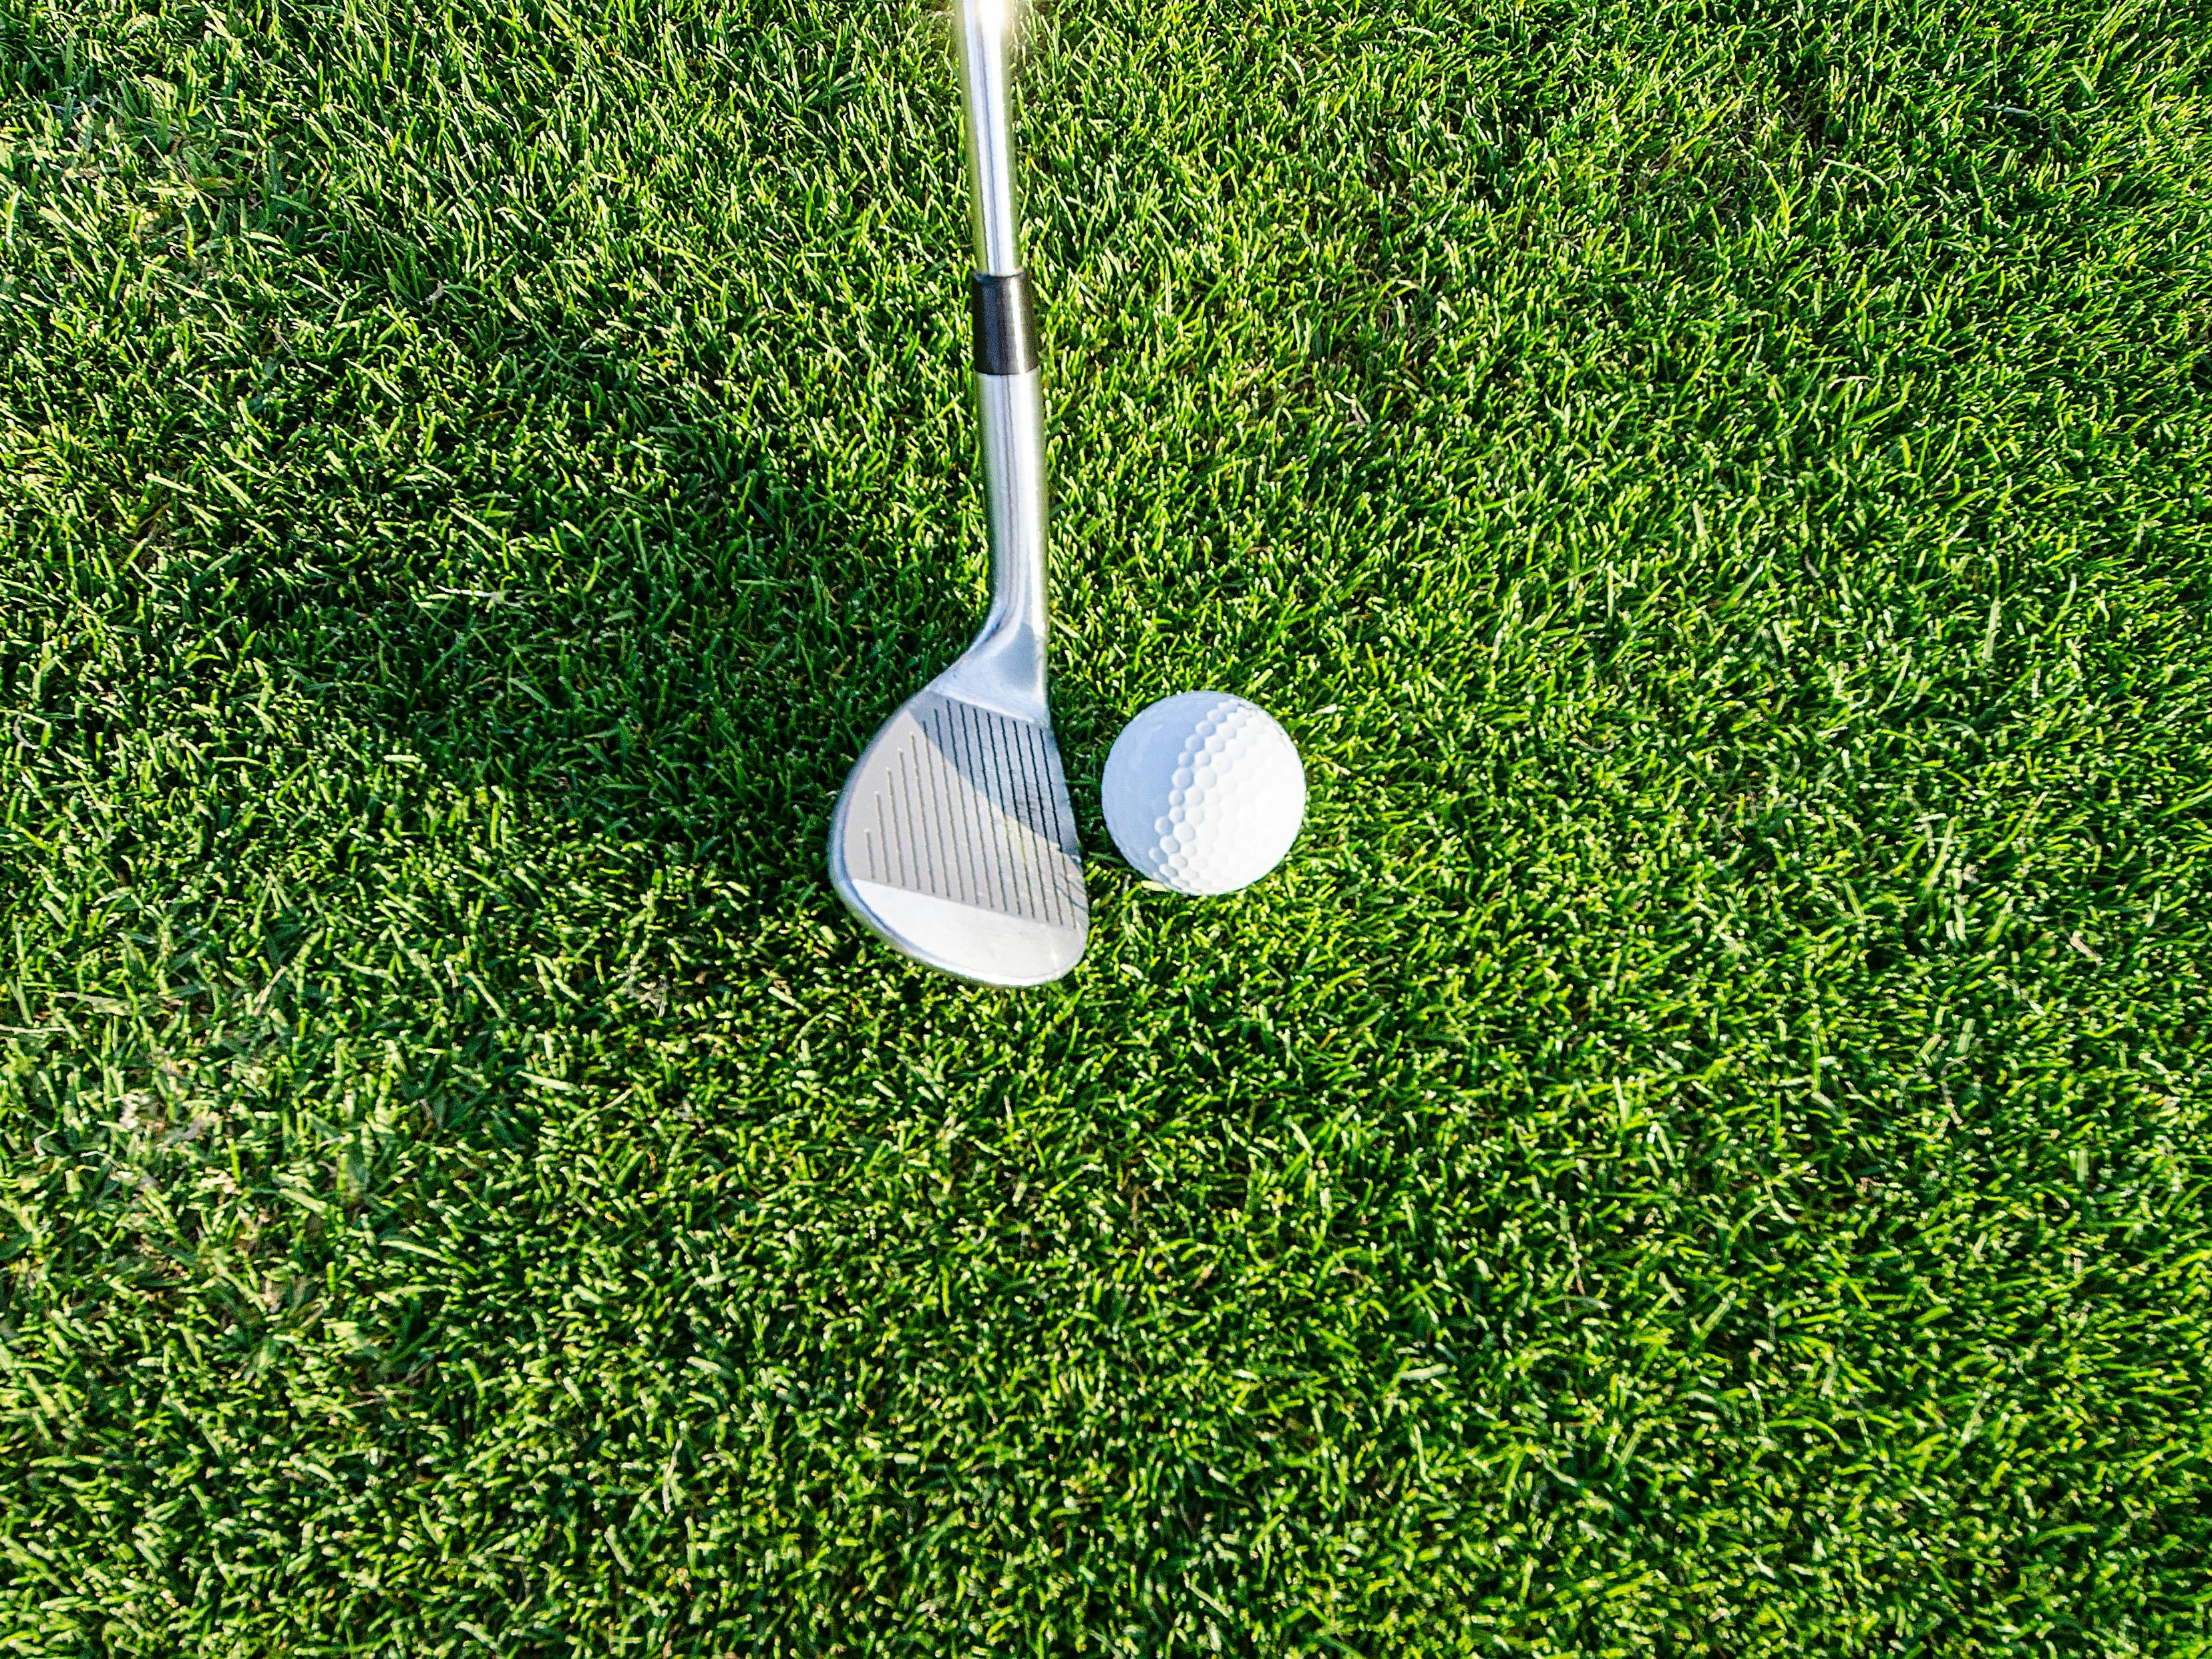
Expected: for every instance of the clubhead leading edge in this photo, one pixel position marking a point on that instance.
(955, 839)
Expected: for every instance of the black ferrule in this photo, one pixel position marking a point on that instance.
(1005, 324)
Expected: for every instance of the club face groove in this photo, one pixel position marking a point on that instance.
(955, 841)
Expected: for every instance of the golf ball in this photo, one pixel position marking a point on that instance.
(1204, 792)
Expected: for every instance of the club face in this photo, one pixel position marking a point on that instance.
(955, 840)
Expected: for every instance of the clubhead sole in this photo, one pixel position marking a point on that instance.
(955, 841)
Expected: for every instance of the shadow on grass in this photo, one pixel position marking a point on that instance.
(633, 613)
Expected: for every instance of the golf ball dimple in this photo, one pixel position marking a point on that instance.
(1204, 792)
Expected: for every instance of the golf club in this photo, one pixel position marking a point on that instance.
(955, 839)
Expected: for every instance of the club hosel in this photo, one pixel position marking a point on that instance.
(1010, 416)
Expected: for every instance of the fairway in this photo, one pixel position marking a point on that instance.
(1705, 1147)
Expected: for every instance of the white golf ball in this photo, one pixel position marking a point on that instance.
(1204, 792)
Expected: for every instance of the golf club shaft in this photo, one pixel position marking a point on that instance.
(1009, 402)
(985, 29)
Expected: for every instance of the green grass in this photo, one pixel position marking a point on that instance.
(1705, 1150)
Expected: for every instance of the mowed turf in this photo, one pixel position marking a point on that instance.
(1703, 1150)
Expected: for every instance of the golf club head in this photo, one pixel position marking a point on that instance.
(955, 840)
